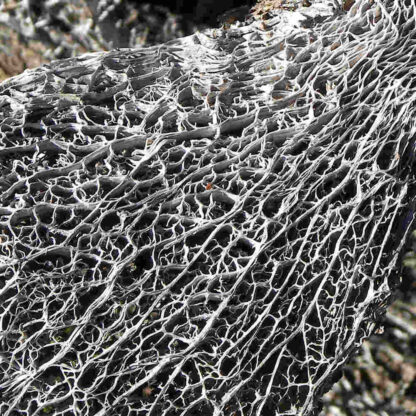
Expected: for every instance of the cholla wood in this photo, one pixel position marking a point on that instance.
(210, 226)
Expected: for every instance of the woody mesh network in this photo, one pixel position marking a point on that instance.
(209, 226)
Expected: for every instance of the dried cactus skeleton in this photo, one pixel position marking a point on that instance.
(210, 226)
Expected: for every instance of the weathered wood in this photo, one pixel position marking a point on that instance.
(208, 226)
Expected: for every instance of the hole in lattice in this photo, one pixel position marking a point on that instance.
(110, 221)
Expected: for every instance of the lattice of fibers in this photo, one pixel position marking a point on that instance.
(210, 226)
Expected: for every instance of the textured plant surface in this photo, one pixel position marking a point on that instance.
(381, 380)
(211, 226)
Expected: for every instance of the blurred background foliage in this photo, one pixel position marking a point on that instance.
(381, 379)
(33, 32)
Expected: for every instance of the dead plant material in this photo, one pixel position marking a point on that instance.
(262, 9)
